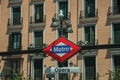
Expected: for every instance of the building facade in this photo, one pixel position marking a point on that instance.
(26, 24)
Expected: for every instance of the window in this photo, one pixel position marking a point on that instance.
(12, 68)
(89, 34)
(89, 68)
(38, 39)
(116, 33)
(64, 33)
(116, 6)
(63, 76)
(16, 15)
(38, 69)
(64, 7)
(89, 8)
(116, 59)
(38, 13)
(15, 66)
(116, 67)
(15, 41)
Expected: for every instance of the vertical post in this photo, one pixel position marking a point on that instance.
(61, 28)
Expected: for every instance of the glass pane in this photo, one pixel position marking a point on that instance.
(89, 8)
(87, 34)
(116, 6)
(63, 76)
(90, 68)
(15, 68)
(65, 34)
(117, 61)
(116, 72)
(38, 39)
(64, 7)
(90, 34)
(16, 15)
(38, 69)
(38, 13)
(116, 33)
(15, 42)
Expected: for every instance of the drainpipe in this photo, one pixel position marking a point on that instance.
(28, 61)
(77, 29)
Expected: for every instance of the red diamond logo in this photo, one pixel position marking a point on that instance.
(62, 49)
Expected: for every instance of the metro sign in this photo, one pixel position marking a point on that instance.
(62, 49)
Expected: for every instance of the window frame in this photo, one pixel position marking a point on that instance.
(33, 11)
(94, 54)
(58, 9)
(19, 40)
(33, 35)
(83, 32)
(112, 31)
(11, 13)
(83, 7)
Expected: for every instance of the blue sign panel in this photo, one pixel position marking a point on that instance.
(61, 49)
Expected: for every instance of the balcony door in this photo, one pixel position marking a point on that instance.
(89, 68)
(63, 76)
(116, 6)
(38, 13)
(89, 34)
(15, 41)
(89, 8)
(116, 33)
(38, 39)
(16, 15)
(63, 5)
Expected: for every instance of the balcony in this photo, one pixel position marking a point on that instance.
(11, 48)
(14, 2)
(37, 23)
(88, 17)
(114, 41)
(114, 12)
(32, 46)
(86, 43)
(114, 50)
(15, 24)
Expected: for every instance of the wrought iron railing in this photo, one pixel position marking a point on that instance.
(12, 22)
(114, 41)
(84, 14)
(33, 46)
(114, 10)
(12, 48)
(67, 17)
(87, 43)
(33, 20)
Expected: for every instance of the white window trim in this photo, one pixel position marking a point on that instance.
(83, 66)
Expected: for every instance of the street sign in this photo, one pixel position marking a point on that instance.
(62, 49)
(62, 70)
